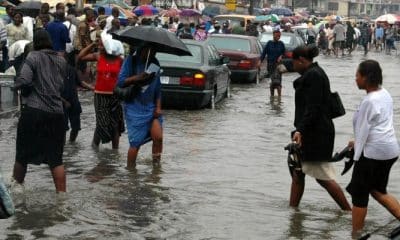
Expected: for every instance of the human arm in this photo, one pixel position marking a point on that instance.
(313, 98)
(367, 113)
(157, 111)
(86, 53)
(127, 77)
(264, 52)
(65, 34)
(25, 78)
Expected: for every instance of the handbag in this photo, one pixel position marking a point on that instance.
(336, 106)
(128, 93)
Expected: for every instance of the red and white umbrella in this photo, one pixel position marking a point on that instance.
(389, 18)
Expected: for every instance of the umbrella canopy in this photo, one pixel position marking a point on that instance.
(389, 18)
(271, 17)
(161, 39)
(188, 12)
(145, 10)
(30, 5)
(172, 12)
(281, 11)
(116, 2)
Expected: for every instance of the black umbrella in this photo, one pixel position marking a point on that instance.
(161, 39)
(30, 5)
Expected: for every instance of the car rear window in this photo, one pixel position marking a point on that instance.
(287, 40)
(227, 43)
(194, 49)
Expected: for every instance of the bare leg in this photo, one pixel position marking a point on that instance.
(279, 91)
(297, 188)
(389, 202)
(336, 193)
(157, 138)
(96, 141)
(19, 172)
(73, 135)
(115, 140)
(59, 178)
(132, 155)
(358, 218)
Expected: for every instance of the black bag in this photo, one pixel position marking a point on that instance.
(336, 106)
(127, 93)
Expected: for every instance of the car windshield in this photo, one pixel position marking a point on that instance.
(227, 43)
(287, 40)
(194, 49)
(233, 21)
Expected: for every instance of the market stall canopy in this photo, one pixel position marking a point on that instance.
(389, 18)
(120, 3)
(282, 11)
(263, 18)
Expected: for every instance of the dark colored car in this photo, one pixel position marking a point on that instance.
(291, 41)
(244, 56)
(194, 81)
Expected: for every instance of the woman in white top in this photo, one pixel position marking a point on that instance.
(375, 145)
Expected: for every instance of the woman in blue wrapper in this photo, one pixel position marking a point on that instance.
(143, 112)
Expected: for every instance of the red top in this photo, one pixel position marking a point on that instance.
(107, 74)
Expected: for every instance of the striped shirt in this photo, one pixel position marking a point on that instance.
(3, 38)
(45, 72)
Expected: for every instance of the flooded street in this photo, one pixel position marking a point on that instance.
(223, 175)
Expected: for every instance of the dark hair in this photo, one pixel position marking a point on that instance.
(71, 11)
(307, 52)
(58, 5)
(42, 40)
(372, 71)
(101, 10)
(59, 14)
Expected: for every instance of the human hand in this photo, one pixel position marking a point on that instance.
(157, 113)
(67, 105)
(297, 138)
(351, 144)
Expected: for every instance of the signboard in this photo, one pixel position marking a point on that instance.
(230, 5)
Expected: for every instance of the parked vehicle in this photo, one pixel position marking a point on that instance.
(234, 19)
(291, 41)
(244, 56)
(194, 81)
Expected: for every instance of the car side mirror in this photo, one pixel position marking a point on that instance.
(225, 60)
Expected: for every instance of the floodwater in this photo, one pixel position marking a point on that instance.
(223, 175)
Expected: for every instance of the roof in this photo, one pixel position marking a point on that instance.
(232, 36)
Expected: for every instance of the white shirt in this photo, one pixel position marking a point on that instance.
(28, 22)
(109, 22)
(267, 28)
(72, 32)
(373, 127)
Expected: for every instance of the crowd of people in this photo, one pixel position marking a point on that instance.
(57, 59)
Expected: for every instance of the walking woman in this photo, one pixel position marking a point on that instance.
(375, 145)
(315, 132)
(143, 113)
(109, 116)
(40, 132)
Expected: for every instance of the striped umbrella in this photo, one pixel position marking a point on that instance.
(145, 10)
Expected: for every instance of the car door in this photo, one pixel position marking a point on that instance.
(221, 71)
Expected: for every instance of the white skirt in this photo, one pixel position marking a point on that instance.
(319, 170)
